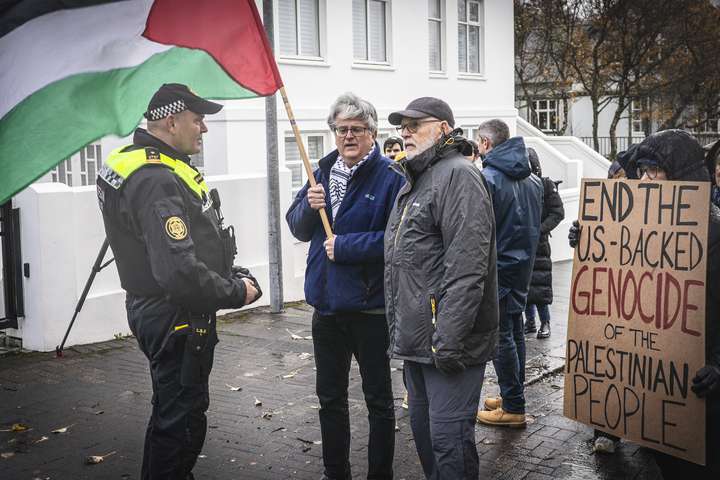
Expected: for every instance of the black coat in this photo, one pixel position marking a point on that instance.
(541, 292)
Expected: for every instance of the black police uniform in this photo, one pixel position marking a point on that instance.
(169, 253)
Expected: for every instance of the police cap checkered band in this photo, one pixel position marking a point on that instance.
(172, 98)
(161, 112)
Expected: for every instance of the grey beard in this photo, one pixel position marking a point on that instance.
(422, 147)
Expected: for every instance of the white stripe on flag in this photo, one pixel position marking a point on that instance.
(67, 42)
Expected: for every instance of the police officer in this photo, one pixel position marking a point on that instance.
(175, 264)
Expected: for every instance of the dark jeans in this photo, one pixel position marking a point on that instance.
(336, 338)
(176, 431)
(442, 416)
(510, 360)
(543, 313)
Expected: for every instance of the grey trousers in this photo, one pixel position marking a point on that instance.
(442, 417)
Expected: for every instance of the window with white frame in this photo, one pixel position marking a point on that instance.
(370, 31)
(80, 169)
(436, 57)
(470, 36)
(299, 28)
(546, 115)
(639, 111)
(707, 123)
(315, 147)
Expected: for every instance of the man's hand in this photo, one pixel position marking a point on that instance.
(251, 293)
(574, 234)
(448, 366)
(329, 245)
(316, 197)
(706, 381)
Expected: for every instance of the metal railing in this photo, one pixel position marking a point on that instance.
(622, 142)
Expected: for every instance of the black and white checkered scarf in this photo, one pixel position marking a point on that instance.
(340, 175)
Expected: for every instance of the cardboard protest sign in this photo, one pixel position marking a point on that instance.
(636, 329)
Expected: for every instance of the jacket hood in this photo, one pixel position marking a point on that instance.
(510, 157)
(677, 152)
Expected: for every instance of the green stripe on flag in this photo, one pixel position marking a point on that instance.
(60, 119)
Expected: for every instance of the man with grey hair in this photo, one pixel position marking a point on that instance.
(517, 202)
(344, 282)
(441, 287)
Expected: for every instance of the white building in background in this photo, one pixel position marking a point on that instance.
(387, 51)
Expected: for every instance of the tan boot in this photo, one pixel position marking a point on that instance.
(501, 418)
(493, 403)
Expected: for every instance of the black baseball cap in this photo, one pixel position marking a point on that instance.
(173, 98)
(424, 107)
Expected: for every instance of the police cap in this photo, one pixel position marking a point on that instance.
(174, 98)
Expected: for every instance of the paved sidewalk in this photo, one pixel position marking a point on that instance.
(102, 394)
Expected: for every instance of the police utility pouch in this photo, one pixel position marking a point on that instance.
(195, 368)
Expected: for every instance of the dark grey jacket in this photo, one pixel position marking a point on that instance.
(440, 243)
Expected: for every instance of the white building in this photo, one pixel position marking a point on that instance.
(387, 51)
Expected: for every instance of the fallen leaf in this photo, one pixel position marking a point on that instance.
(234, 389)
(279, 429)
(267, 415)
(7, 455)
(62, 430)
(305, 356)
(41, 439)
(16, 427)
(99, 412)
(258, 403)
(291, 374)
(488, 442)
(295, 336)
(95, 459)
(309, 442)
(306, 449)
(202, 456)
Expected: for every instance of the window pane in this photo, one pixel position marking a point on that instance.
(543, 104)
(82, 161)
(359, 30)
(378, 52)
(434, 49)
(315, 147)
(474, 50)
(287, 24)
(553, 121)
(462, 48)
(309, 36)
(462, 10)
(542, 120)
(295, 176)
(473, 11)
(91, 172)
(434, 9)
(292, 154)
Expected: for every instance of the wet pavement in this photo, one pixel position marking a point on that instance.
(99, 398)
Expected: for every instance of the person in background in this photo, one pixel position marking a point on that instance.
(344, 282)
(540, 294)
(475, 155)
(517, 205)
(712, 160)
(393, 146)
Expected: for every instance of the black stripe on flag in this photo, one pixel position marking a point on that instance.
(14, 13)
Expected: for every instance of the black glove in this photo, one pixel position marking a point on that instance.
(239, 273)
(574, 234)
(448, 366)
(706, 381)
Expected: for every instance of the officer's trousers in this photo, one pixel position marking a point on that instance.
(176, 431)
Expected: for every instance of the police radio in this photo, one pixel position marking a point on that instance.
(227, 234)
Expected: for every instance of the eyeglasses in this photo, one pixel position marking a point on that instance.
(650, 170)
(356, 131)
(412, 127)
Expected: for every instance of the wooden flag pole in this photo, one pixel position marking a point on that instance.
(305, 159)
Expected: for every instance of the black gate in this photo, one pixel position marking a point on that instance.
(11, 265)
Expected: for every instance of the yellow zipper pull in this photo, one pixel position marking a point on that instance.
(433, 306)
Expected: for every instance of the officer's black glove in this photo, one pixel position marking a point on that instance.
(241, 272)
(706, 381)
(574, 234)
(448, 366)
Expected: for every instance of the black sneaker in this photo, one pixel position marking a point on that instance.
(544, 331)
(530, 326)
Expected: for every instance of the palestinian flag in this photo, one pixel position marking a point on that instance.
(73, 71)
